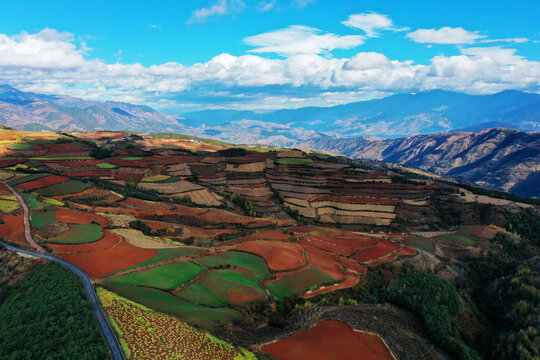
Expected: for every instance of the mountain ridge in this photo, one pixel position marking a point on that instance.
(497, 158)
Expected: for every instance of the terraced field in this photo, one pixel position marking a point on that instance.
(176, 238)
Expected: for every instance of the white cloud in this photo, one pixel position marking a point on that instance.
(49, 62)
(46, 49)
(217, 8)
(445, 35)
(370, 23)
(266, 5)
(510, 40)
(299, 39)
(301, 3)
(155, 27)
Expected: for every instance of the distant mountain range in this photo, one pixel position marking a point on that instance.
(502, 159)
(29, 111)
(507, 160)
(398, 115)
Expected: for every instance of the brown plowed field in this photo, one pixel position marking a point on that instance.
(355, 200)
(13, 229)
(330, 340)
(339, 245)
(404, 251)
(353, 265)
(382, 248)
(39, 183)
(325, 261)
(108, 240)
(351, 279)
(279, 255)
(68, 216)
(115, 258)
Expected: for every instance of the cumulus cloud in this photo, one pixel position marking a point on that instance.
(46, 49)
(299, 39)
(217, 8)
(370, 23)
(52, 62)
(445, 35)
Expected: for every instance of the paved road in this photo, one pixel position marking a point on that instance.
(108, 333)
(27, 230)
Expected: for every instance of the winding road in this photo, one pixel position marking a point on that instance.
(108, 333)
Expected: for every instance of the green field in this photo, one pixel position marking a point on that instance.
(463, 238)
(67, 187)
(79, 234)
(421, 243)
(162, 277)
(7, 206)
(132, 158)
(28, 178)
(212, 289)
(21, 146)
(298, 282)
(31, 200)
(155, 178)
(164, 302)
(166, 254)
(106, 166)
(255, 264)
(41, 218)
(294, 161)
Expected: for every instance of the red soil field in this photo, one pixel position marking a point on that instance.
(404, 251)
(82, 193)
(279, 255)
(108, 240)
(325, 261)
(145, 205)
(9, 162)
(309, 229)
(339, 245)
(115, 258)
(65, 148)
(89, 173)
(263, 235)
(78, 163)
(353, 265)
(351, 279)
(156, 225)
(13, 229)
(355, 200)
(39, 183)
(237, 297)
(4, 188)
(118, 175)
(382, 248)
(330, 340)
(68, 216)
(228, 217)
(129, 163)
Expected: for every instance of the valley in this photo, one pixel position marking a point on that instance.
(244, 251)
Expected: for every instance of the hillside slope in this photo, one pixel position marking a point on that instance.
(503, 159)
(393, 116)
(34, 112)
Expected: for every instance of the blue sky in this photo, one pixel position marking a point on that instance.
(266, 54)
